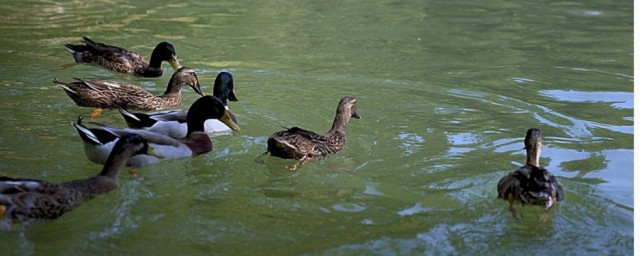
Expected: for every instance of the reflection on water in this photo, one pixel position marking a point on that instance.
(446, 90)
(619, 100)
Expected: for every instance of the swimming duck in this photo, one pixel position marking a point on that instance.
(122, 60)
(531, 184)
(104, 94)
(30, 199)
(98, 141)
(301, 144)
(174, 122)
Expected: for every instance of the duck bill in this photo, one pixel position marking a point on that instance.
(228, 118)
(197, 89)
(355, 115)
(152, 152)
(549, 204)
(232, 96)
(174, 63)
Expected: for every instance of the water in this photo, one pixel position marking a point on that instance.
(446, 91)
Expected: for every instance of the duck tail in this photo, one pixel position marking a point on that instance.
(88, 41)
(74, 48)
(129, 117)
(85, 133)
(64, 86)
(80, 52)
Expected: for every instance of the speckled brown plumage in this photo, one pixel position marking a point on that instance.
(27, 199)
(302, 144)
(121, 60)
(104, 94)
(531, 184)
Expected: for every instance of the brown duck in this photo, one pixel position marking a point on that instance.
(302, 144)
(104, 94)
(121, 60)
(531, 184)
(30, 199)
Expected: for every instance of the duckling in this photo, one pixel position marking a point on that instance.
(301, 144)
(174, 122)
(98, 141)
(103, 94)
(31, 199)
(122, 60)
(531, 184)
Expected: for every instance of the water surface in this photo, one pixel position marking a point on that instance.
(446, 90)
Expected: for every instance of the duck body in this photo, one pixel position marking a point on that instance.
(106, 94)
(297, 143)
(174, 122)
(97, 141)
(531, 184)
(36, 199)
(29, 199)
(121, 60)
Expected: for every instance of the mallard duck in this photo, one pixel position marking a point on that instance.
(30, 199)
(122, 60)
(103, 94)
(301, 144)
(531, 184)
(174, 122)
(98, 141)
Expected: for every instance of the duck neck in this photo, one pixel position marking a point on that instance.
(149, 71)
(533, 155)
(155, 61)
(339, 124)
(194, 123)
(115, 163)
(174, 86)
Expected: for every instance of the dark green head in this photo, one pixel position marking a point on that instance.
(223, 87)
(164, 51)
(208, 107)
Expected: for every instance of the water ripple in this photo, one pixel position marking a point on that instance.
(620, 100)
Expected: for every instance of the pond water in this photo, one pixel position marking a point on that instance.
(446, 91)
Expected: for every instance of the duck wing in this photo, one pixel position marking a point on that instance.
(152, 137)
(294, 143)
(30, 198)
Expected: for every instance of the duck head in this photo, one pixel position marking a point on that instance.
(185, 76)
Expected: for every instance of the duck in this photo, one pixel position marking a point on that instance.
(121, 60)
(99, 140)
(101, 94)
(26, 199)
(174, 122)
(297, 143)
(531, 184)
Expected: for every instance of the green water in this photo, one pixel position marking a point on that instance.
(446, 90)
